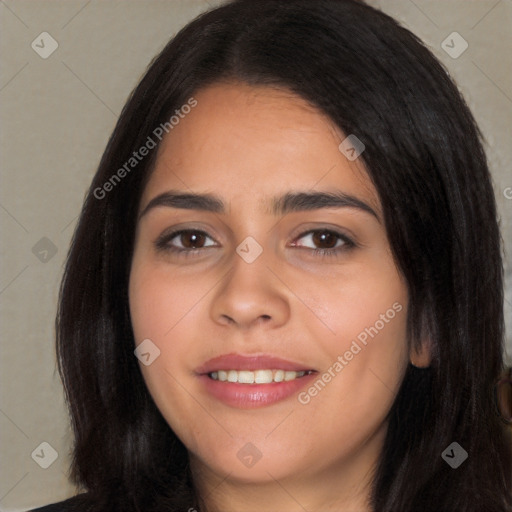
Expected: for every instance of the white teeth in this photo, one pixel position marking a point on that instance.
(257, 376)
(279, 376)
(245, 377)
(263, 376)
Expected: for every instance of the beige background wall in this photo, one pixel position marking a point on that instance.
(57, 114)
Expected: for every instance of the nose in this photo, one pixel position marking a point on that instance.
(251, 294)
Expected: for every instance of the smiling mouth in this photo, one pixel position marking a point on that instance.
(265, 376)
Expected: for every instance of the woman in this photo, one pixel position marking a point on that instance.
(216, 356)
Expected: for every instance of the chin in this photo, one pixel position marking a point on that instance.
(245, 463)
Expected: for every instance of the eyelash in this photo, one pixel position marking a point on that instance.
(162, 243)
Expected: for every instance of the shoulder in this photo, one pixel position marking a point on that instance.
(79, 503)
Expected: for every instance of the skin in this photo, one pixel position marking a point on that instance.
(247, 144)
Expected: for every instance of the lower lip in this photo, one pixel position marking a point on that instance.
(249, 396)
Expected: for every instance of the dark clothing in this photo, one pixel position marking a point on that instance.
(74, 504)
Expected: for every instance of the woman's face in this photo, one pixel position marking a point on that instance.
(244, 281)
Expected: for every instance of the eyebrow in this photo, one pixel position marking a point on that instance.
(279, 205)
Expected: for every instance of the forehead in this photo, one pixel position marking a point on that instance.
(249, 143)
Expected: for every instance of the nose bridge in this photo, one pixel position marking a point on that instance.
(250, 265)
(250, 292)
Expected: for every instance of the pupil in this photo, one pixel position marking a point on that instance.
(323, 236)
(194, 239)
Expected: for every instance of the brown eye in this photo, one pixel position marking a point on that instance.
(330, 243)
(192, 239)
(327, 238)
(184, 240)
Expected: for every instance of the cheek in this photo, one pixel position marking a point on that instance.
(167, 307)
(157, 310)
(151, 304)
(366, 312)
(159, 299)
(368, 303)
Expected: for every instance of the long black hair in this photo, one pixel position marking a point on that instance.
(424, 155)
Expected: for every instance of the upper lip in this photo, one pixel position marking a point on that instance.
(249, 362)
